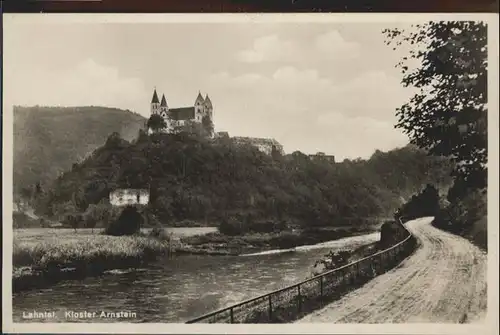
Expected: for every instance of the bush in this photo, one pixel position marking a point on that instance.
(286, 240)
(425, 203)
(22, 220)
(74, 220)
(159, 233)
(466, 217)
(267, 226)
(100, 215)
(128, 223)
(391, 233)
(232, 226)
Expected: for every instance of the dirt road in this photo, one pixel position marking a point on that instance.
(443, 281)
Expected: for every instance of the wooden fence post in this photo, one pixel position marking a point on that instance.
(299, 297)
(321, 285)
(270, 309)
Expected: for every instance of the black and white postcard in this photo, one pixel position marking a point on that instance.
(250, 173)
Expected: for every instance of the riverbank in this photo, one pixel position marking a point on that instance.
(41, 263)
(216, 243)
(45, 263)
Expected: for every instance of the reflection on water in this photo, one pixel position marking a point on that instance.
(178, 289)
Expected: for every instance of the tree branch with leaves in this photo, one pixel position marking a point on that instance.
(447, 64)
(156, 123)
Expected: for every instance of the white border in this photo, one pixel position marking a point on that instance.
(491, 323)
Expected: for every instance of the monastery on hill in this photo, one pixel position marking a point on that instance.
(175, 117)
(201, 109)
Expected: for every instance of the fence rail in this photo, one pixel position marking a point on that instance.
(291, 302)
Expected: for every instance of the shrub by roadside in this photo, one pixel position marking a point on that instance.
(391, 233)
(466, 217)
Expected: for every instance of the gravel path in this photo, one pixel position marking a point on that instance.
(443, 281)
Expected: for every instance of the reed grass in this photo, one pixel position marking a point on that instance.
(44, 263)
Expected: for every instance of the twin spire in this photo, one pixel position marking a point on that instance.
(163, 103)
(155, 98)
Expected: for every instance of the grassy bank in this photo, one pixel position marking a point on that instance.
(217, 243)
(44, 263)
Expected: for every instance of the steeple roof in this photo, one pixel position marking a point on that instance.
(155, 98)
(200, 97)
(163, 101)
(208, 101)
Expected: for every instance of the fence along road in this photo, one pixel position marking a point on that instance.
(443, 281)
(292, 302)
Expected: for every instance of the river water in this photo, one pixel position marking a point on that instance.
(178, 289)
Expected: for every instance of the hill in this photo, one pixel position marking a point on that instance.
(48, 140)
(191, 178)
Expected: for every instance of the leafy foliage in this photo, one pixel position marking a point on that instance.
(425, 203)
(156, 122)
(391, 233)
(466, 217)
(448, 115)
(128, 223)
(208, 125)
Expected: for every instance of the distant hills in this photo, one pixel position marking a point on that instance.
(48, 140)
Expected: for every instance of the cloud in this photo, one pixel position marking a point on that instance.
(272, 48)
(345, 136)
(268, 49)
(286, 91)
(309, 112)
(87, 83)
(373, 93)
(332, 43)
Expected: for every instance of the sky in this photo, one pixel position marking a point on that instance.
(328, 86)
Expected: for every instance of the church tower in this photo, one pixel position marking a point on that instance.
(199, 107)
(163, 106)
(155, 103)
(164, 112)
(208, 107)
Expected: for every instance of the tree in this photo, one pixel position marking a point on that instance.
(189, 128)
(276, 154)
(74, 220)
(208, 125)
(113, 139)
(38, 189)
(425, 203)
(26, 195)
(79, 200)
(156, 122)
(447, 116)
(96, 214)
(128, 223)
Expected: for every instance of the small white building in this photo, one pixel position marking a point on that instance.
(124, 197)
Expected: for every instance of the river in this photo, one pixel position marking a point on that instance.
(178, 289)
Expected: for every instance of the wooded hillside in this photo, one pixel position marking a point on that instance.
(48, 140)
(192, 178)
